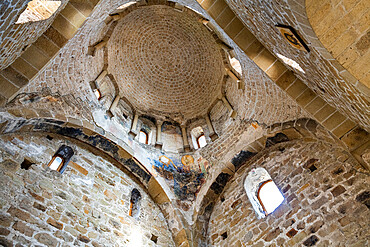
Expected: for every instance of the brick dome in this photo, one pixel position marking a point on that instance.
(165, 62)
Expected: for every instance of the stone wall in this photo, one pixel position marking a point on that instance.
(328, 206)
(87, 205)
(15, 38)
(343, 28)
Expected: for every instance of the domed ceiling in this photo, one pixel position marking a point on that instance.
(165, 62)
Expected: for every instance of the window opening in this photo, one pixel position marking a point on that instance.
(224, 235)
(38, 10)
(135, 203)
(198, 138)
(290, 62)
(61, 158)
(201, 141)
(97, 94)
(154, 238)
(262, 192)
(26, 164)
(269, 196)
(143, 137)
(126, 5)
(235, 64)
(56, 163)
(49, 137)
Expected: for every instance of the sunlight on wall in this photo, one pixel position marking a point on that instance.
(38, 10)
(290, 62)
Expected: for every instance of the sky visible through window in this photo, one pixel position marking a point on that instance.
(270, 196)
(56, 163)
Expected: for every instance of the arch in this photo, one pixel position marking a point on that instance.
(300, 129)
(339, 30)
(120, 155)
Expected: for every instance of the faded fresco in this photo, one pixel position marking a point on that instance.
(186, 175)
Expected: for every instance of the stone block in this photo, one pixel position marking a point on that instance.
(264, 59)
(355, 138)
(23, 228)
(47, 239)
(73, 15)
(14, 77)
(324, 113)
(64, 27)
(217, 7)
(234, 28)
(7, 88)
(291, 233)
(56, 37)
(48, 47)
(338, 190)
(254, 49)
(296, 89)
(225, 17)
(35, 57)
(286, 79)
(343, 128)
(54, 223)
(334, 121)
(276, 70)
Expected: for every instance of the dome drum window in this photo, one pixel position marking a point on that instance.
(198, 137)
(143, 137)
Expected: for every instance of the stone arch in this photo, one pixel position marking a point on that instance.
(341, 30)
(305, 129)
(120, 155)
(32, 52)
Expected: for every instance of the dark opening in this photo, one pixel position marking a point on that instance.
(222, 199)
(135, 203)
(154, 238)
(49, 137)
(61, 158)
(224, 235)
(26, 164)
(312, 168)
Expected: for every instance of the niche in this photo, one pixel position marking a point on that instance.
(135, 203)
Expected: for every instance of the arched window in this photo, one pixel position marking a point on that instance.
(198, 137)
(38, 10)
(143, 137)
(201, 141)
(262, 192)
(61, 158)
(97, 93)
(269, 196)
(135, 203)
(235, 64)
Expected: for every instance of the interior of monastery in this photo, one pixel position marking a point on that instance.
(188, 123)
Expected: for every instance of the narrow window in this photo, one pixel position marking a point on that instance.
(262, 192)
(198, 138)
(235, 64)
(97, 93)
(201, 141)
(269, 196)
(56, 163)
(135, 203)
(143, 137)
(38, 10)
(61, 158)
